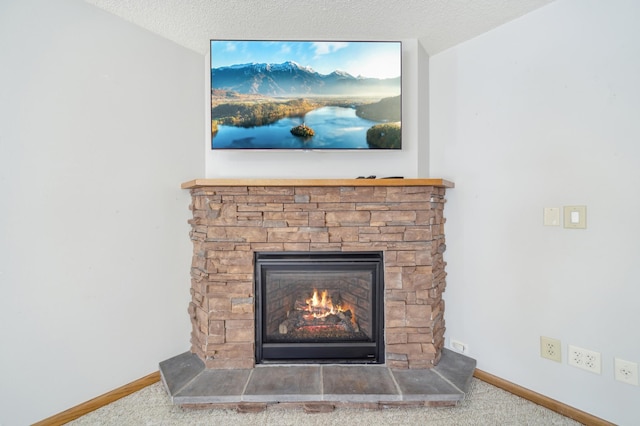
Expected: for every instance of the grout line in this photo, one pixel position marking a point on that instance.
(464, 394)
(177, 391)
(246, 384)
(395, 382)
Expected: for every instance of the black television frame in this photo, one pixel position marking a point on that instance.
(263, 104)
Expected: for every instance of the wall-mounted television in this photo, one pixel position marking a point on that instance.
(306, 95)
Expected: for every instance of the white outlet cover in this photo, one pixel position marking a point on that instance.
(459, 346)
(584, 358)
(626, 371)
(550, 349)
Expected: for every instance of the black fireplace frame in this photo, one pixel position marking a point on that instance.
(371, 352)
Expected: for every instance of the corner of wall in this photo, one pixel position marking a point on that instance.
(423, 112)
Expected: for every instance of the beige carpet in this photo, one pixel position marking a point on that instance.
(484, 405)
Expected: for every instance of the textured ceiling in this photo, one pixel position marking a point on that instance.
(437, 24)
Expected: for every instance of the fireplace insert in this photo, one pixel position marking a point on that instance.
(324, 307)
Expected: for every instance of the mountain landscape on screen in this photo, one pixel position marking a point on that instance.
(275, 102)
(292, 79)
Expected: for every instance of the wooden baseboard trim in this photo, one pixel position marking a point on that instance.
(100, 401)
(128, 389)
(553, 405)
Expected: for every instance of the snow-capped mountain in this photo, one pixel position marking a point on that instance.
(292, 79)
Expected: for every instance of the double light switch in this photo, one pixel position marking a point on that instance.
(575, 217)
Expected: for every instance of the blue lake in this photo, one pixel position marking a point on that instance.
(334, 127)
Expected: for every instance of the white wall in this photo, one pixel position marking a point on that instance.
(341, 164)
(100, 122)
(543, 112)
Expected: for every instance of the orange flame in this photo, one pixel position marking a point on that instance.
(321, 305)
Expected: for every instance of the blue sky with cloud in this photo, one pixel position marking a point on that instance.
(368, 59)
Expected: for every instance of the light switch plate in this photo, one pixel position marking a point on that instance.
(575, 217)
(551, 216)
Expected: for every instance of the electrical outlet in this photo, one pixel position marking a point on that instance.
(458, 346)
(550, 349)
(626, 371)
(585, 359)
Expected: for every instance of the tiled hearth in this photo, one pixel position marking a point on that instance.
(233, 219)
(316, 387)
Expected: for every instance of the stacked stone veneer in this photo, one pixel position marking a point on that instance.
(230, 223)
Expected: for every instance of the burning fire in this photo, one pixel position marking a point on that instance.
(319, 314)
(321, 306)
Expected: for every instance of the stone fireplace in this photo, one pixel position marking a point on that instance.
(234, 219)
(387, 319)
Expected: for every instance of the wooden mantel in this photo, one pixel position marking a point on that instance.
(200, 183)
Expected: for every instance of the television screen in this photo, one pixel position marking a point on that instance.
(306, 95)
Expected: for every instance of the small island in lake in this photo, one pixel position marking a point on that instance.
(302, 130)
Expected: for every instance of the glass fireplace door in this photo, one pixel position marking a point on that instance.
(323, 307)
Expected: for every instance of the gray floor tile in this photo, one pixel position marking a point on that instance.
(284, 383)
(180, 370)
(214, 386)
(358, 383)
(425, 385)
(457, 368)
